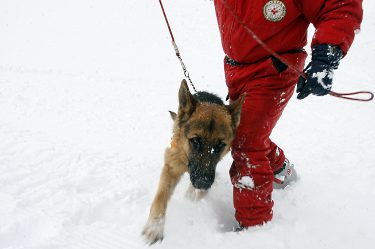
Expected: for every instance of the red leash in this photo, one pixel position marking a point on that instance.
(345, 95)
(178, 54)
(169, 27)
(280, 58)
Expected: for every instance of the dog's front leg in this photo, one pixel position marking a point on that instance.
(154, 228)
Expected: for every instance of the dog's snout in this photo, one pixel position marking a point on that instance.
(202, 180)
(202, 167)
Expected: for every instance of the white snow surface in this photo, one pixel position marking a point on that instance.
(245, 182)
(85, 87)
(321, 75)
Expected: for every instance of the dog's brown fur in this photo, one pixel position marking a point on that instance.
(202, 134)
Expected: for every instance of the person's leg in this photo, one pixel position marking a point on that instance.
(255, 157)
(276, 157)
(252, 173)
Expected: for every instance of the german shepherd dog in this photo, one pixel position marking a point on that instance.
(203, 131)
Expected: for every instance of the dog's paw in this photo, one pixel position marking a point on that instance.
(153, 231)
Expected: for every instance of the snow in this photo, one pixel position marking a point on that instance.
(322, 75)
(85, 89)
(245, 182)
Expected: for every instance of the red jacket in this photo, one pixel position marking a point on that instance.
(282, 25)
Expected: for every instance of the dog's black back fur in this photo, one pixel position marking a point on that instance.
(208, 97)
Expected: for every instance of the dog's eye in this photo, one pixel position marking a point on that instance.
(218, 147)
(196, 143)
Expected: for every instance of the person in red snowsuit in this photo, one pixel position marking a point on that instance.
(269, 83)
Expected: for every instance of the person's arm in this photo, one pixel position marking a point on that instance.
(336, 23)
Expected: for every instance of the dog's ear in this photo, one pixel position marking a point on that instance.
(187, 103)
(235, 110)
(173, 115)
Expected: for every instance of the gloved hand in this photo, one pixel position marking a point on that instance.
(325, 58)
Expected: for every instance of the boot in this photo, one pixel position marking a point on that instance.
(285, 175)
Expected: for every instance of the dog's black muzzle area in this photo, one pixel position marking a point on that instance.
(202, 175)
(202, 162)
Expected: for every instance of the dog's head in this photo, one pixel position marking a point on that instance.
(207, 128)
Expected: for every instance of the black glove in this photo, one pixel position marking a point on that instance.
(325, 58)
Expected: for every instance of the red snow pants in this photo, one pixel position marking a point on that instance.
(255, 156)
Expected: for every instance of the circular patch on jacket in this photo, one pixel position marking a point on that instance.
(274, 10)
